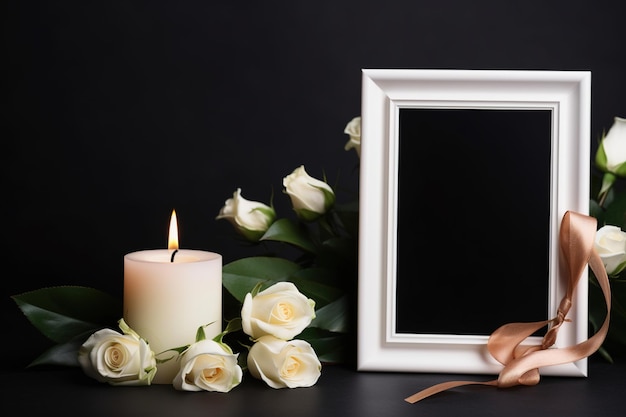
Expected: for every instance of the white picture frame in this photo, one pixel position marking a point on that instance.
(567, 95)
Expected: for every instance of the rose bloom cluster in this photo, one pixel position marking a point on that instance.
(610, 240)
(126, 359)
(310, 198)
(272, 318)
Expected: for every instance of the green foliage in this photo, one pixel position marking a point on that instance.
(323, 268)
(306, 281)
(332, 316)
(249, 275)
(67, 315)
(609, 208)
(615, 213)
(241, 276)
(62, 354)
(329, 346)
(287, 231)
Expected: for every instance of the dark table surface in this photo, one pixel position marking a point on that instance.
(340, 391)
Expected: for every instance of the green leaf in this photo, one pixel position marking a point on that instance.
(63, 354)
(241, 276)
(596, 211)
(287, 231)
(263, 267)
(328, 346)
(618, 306)
(607, 182)
(339, 253)
(177, 350)
(307, 282)
(257, 289)
(616, 338)
(200, 334)
(239, 286)
(333, 349)
(332, 317)
(605, 354)
(348, 217)
(319, 274)
(62, 313)
(597, 307)
(233, 325)
(616, 212)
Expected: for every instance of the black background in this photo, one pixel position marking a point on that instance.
(473, 245)
(117, 112)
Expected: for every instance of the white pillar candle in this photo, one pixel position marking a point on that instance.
(167, 298)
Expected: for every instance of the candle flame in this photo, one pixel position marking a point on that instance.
(172, 240)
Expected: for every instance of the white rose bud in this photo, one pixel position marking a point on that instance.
(284, 364)
(210, 366)
(250, 218)
(280, 310)
(310, 197)
(353, 129)
(119, 359)
(611, 155)
(610, 243)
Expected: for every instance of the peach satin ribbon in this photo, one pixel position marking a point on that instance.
(522, 363)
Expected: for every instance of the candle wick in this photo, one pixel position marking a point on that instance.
(173, 254)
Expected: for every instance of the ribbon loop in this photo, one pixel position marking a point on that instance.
(522, 363)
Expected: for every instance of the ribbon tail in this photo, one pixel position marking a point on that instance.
(510, 375)
(443, 387)
(522, 364)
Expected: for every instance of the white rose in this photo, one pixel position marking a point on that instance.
(250, 218)
(210, 366)
(284, 364)
(280, 310)
(610, 243)
(353, 129)
(119, 359)
(310, 197)
(611, 156)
